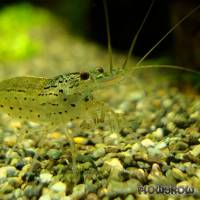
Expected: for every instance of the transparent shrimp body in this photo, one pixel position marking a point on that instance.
(58, 100)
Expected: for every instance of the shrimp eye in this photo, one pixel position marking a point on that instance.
(100, 69)
(84, 75)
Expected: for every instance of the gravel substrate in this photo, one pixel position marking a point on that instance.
(161, 147)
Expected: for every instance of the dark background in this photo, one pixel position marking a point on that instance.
(86, 18)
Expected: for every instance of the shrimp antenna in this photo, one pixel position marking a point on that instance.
(136, 35)
(170, 31)
(108, 34)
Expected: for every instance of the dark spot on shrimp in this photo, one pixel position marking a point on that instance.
(54, 104)
(21, 90)
(16, 98)
(31, 110)
(38, 116)
(84, 75)
(100, 69)
(61, 91)
(65, 99)
(60, 113)
(20, 108)
(86, 99)
(1, 106)
(73, 105)
(25, 98)
(11, 107)
(65, 111)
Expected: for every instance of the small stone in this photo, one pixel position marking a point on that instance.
(114, 163)
(15, 181)
(161, 145)
(99, 152)
(181, 145)
(196, 150)
(8, 171)
(112, 139)
(130, 197)
(79, 191)
(80, 140)
(198, 173)
(45, 197)
(20, 165)
(92, 196)
(55, 135)
(116, 188)
(32, 191)
(3, 172)
(139, 174)
(158, 133)
(171, 126)
(59, 187)
(178, 174)
(184, 183)
(147, 143)
(6, 188)
(10, 140)
(54, 154)
(45, 177)
(135, 148)
(167, 103)
(11, 171)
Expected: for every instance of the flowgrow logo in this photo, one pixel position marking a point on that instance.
(165, 189)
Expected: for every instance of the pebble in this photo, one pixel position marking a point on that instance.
(161, 145)
(167, 103)
(45, 177)
(135, 148)
(99, 152)
(45, 197)
(54, 154)
(139, 174)
(92, 196)
(79, 191)
(116, 188)
(181, 145)
(178, 174)
(58, 187)
(129, 197)
(147, 143)
(8, 171)
(10, 140)
(196, 150)
(198, 173)
(6, 188)
(112, 139)
(158, 133)
(80, 140)
(114, 163)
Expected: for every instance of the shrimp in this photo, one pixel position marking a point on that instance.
(69, 96)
